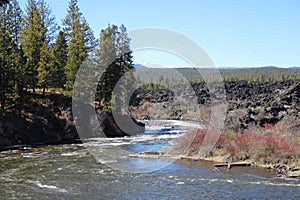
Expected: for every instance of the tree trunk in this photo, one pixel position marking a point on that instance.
(44, 90)
(2, 95)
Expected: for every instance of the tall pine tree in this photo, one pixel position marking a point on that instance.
(114, 58)
(11, 57)
(107, 55)
(46, 68)
(80, 41)
(38, 27)
(5, 49)
(17, 58)
(126, 65)
(61, 55)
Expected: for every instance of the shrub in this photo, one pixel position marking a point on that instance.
(230, 133)
(191, 142)
(232, 149)
(223, 140)
(263, 148)
(244, 140)
(278, 127)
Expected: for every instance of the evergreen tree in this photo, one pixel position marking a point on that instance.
(77, 53)
(38, 27)
(46, 68)
(61, 55)
(114, 58)
(107, 55)
(16, 58)
(126, 67)
(5, 49)
(80, 41)
(11, 59)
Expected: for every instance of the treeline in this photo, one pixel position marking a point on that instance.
(164, 77)
(35, 53)
(263, 74)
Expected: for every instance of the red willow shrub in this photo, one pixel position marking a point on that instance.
(223, 140)
(278, 127)
(280, 145)
(232, 149)
(245, 140)
(246, 145)
(256, 145)
(191, 142)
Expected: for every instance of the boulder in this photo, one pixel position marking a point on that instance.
(119, 125)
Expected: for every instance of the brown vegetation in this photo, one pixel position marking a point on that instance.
(261, 147)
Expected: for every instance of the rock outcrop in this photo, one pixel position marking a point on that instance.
(249, 104)
(120, 126)
(43, 121)
(49, 120)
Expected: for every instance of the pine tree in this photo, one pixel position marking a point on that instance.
(38, 27)
(126, 67)
(114, 58)
(107, 55)
(16, 58)
(46, 68)
(61, 55)
(80, 41)
(5, 49)
(11, 59)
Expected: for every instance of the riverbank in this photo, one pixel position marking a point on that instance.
(283, 171)
(43, 120)
(261, 149)
(268, 151)
(47, 119)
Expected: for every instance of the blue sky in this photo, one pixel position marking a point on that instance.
(234, 33)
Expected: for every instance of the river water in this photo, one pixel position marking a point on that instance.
(74, 172)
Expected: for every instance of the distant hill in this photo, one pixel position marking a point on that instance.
(148, 65)
(228, 67)
(158, 66)
(270, 67)
(139, 66)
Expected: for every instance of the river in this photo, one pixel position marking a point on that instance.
(74, 172)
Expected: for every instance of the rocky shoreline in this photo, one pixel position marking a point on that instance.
(280, 169)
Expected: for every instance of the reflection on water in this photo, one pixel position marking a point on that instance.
(72, 172)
